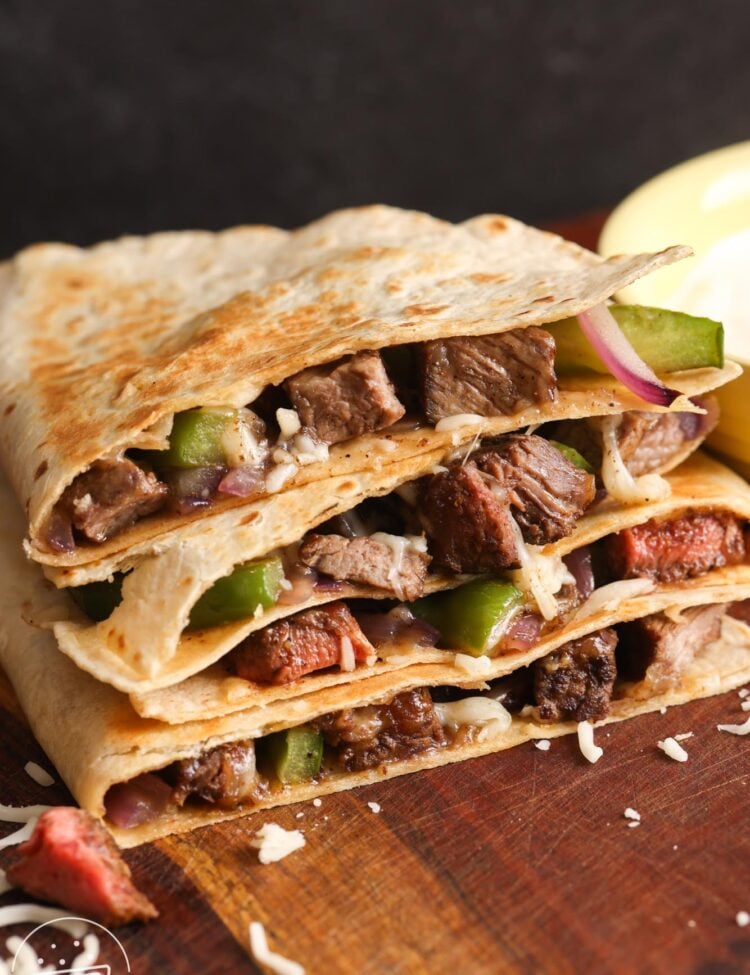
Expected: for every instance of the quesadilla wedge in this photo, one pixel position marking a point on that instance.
(149, 384)
(374, 602)
(147, 779)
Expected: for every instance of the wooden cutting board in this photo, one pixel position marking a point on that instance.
(521, 863)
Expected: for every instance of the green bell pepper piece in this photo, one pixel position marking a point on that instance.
(98, 600)
(578, 460)
(668, 341)
(472, 617)
(196, 439)
(295, 754)
(237, 596)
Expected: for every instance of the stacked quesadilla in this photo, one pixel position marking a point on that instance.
(306, 509)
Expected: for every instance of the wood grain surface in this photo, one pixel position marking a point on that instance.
(521, 863)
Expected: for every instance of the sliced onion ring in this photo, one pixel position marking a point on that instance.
(618, 355)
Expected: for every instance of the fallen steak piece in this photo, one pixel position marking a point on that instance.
(345, 399)
(395, 566)
(71, 860)
(110, 496)
(311, 640)
(468, 524)
(659, 650)
(681, 548)
(575, 682)
(225, 775)
(365, 737)
(492, 375)
(548, 493)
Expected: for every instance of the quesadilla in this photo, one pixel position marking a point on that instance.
(146, 778)
(151, 386)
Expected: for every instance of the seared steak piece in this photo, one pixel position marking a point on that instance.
(225, 775)
(659, 650)
(369, 736)
(740, 610)
(110, 496)
(370, 561)
(71, 860)
(468, 524)
(491, 375)
(681, 548)
(547, 492)
(647, 441)
(575, 682)
(345, 399)
(311, 640)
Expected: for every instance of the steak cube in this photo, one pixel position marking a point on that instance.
(369, 736)
(548, 493)
(225, 775)
(658, 650)
(575, 682)
(72, 860)
(491, 375)
(345, 399)
(469, 525)
(311, 640)
(684, 547)
(397, 567)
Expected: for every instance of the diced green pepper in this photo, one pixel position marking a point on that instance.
(237, 596)
(668, 341)
(196, 439)
(98, 600)
(295, 754)
(472, 617)
(578, 460)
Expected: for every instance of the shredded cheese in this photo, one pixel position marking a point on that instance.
(346, 657)
(684, 736)
(736, 729)
(745, 705)
(278, 477)
(317, 803)
(289, 423)
(472, 665)
(21, 814)
(38, 774)
(673, 749)
(241, 446)
(742, 918)
(5, 884)
(743, 692)
(543, 744)
(20, 835)
(632, 814)
(618, 481)
(374, 807)
(273, 842)
(541, 575)
(305, 450)
(589, 749)
(264, 956)
(36, 914)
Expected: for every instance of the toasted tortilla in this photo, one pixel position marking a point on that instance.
(135, 656)
(103, 346)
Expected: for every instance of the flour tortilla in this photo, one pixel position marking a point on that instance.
(131, 653)
(103, 346)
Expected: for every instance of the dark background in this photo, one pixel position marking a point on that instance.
(139, 115)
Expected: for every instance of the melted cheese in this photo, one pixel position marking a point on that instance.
(541, 575)
(589, 749)
(479, 711)
(618, 481)
(346, 658)
(278, 477)
(289, 423)
(399, 546)
(241, 446)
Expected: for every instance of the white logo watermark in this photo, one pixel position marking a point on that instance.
(82, 950)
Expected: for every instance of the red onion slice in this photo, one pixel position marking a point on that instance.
(242, 482)
(398, 626)
(523, 632)
(618, 355)
(578, 563)
(303, 580)
(139, 801)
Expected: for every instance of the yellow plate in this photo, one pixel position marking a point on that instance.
(699, 202)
